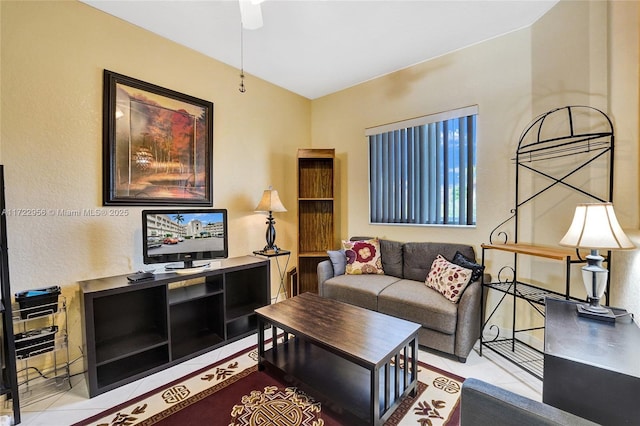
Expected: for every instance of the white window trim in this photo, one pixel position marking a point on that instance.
(425, 119)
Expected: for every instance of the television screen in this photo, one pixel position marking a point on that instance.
(181, 235)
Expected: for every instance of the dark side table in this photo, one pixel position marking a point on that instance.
(591, 367)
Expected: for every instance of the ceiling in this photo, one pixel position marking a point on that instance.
(317, 47)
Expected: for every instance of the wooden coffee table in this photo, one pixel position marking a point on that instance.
(342, 354)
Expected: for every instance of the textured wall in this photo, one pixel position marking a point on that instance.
(578, 53)
(53, 56)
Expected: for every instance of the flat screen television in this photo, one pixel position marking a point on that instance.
(184, 236)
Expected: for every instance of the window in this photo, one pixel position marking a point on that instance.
(423, 171)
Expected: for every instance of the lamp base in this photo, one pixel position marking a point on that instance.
(601, 314)
(270, 249)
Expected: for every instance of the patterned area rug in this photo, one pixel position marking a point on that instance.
(233, 392)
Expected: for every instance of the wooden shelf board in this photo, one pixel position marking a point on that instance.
(189, 293)
(182, 348)
(313, 254)
(549, 252)
(316, 153)
(114, 374)
(239, 311)
(126, 346)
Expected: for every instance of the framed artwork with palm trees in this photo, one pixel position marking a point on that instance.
(157, 145)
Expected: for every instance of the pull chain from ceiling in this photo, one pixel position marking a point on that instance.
(242, 88)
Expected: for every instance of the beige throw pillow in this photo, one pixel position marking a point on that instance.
(448, 278)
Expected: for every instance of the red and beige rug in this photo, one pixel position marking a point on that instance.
(232, 392)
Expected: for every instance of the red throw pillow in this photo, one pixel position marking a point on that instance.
(363, 257)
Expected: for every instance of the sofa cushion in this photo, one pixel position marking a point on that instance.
(414, 301)
(418, 257)
(391, 255)
(359, 290)
(448, 279)
(338, 261)
(363, 257)
(462, 260)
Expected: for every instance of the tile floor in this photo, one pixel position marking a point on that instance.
(75, 405)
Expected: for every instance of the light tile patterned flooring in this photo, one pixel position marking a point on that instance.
(75, 405)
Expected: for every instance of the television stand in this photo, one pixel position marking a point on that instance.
(132, 331)
(188, 268)
(187, 264)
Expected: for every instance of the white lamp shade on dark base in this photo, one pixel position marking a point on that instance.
(596, 227)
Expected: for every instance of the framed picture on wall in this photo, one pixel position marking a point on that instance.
(157, 145)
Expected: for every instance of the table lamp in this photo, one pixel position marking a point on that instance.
(595, 227)
(270, 202)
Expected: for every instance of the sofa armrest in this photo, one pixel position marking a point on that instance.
(482, 403)
(325, 271)
(469, 320)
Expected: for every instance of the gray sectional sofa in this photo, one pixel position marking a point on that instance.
(452, 328)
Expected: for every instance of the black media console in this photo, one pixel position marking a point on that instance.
(131, 330)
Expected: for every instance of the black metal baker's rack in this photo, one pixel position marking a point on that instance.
(585, 134)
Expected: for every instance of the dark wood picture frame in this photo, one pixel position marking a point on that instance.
(157, 145)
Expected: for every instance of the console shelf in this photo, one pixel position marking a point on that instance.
(131, 330)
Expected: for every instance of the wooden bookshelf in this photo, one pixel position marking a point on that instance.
(316, 212)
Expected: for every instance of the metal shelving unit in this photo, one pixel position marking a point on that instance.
(43, 360)
(585, 134)
(513, 348)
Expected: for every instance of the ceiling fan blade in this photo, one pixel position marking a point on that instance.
(250, 14)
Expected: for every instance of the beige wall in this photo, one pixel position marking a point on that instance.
(624, 104)
(495, 75)
(53, 56)
(579, 53)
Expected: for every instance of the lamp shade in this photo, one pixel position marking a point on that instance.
(270, 202)
(595, 227)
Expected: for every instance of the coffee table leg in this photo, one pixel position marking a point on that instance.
(274, 340)
(407, 371)
(414, 366)
(375, 396)
(260, 343)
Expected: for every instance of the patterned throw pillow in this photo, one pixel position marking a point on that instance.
(448, 279)
(363, 257)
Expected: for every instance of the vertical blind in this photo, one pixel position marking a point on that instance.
(422, 171)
